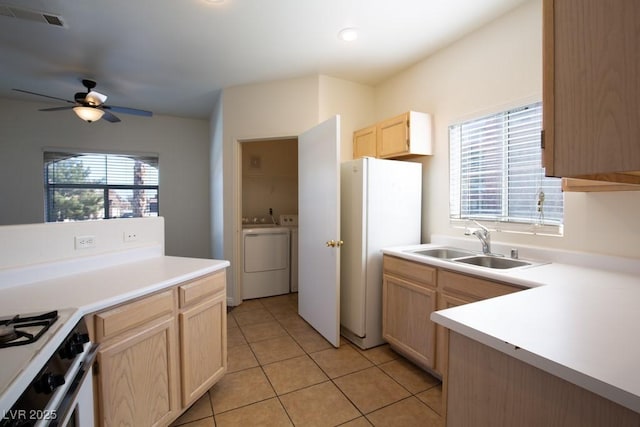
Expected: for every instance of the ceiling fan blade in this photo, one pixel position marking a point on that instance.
(126, 110)
(46, 96)
(110, 117)
(55, 109)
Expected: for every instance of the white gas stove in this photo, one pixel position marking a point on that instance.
(45, 358)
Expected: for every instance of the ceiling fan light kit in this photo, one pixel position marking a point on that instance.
(94, 98)
(88, 114)
(89, 105)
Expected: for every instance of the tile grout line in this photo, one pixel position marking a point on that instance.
(291, 308)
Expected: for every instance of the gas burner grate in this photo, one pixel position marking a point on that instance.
(26, 330)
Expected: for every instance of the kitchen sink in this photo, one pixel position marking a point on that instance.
(493, 262)
(463, 256)
(444, 253)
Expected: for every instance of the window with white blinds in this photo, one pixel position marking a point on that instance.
(85, 186)
(496, 171)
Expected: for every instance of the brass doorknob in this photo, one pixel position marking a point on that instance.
(334, 243)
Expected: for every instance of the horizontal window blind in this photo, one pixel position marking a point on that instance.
(496, 170)
(82, 186)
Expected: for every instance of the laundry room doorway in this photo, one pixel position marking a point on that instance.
(269, 190)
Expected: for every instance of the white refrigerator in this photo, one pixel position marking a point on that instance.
(381, 203)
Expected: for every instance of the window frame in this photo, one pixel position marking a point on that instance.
(501, 222)
(49, 188)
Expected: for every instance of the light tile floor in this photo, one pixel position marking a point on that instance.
(281, 372)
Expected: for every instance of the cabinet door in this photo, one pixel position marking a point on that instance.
(138, 376)
(203, 334)
(406, 322)
(393, 136)
(364, 142)
(591, 89)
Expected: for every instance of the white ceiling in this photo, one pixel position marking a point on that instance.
(174, 56)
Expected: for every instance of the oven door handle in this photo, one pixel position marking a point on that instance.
(65, 408)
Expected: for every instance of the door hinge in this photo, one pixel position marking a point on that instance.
(542, 139)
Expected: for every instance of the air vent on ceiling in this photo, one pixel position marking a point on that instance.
(31, 15)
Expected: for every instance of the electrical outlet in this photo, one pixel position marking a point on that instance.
(130, 236)
(85, 242)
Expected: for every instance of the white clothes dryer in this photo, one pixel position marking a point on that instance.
(266, 263)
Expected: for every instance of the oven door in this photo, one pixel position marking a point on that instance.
(75, 408)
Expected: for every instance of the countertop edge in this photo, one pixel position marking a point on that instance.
(601, 388)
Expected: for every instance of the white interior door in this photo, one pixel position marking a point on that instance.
(318, 224)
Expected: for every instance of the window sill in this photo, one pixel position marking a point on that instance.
(511, 227)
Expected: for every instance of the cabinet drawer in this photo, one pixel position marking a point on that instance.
(472, 288)
(420, 273)
(194, 291)
(120, 319)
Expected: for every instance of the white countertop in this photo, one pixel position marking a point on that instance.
(578, 323)
(85, 291)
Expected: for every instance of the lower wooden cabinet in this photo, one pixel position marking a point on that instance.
(160, 353)
(138, 376)
(409, 298)
(203, 338)
(411, 292)
(457, 289)
(406, 324)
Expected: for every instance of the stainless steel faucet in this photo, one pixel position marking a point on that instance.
(483, 234)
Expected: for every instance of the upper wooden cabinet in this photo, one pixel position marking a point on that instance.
(408, 134)
(364, 142)
(591, 89)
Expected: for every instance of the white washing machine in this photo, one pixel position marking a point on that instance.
(291, 222)
(266, 263)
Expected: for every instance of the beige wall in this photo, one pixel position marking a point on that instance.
(355, 104)
(255, 112)
(269, 178)
(279, 109)
(496, 67)
(182, 146)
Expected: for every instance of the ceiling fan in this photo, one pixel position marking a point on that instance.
(90, 106)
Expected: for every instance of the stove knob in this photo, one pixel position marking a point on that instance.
(48, 382)
(70, 349)
(80, 338)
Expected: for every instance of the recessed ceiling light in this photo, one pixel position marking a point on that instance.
(348, 34)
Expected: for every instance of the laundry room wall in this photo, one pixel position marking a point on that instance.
(269, 178)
